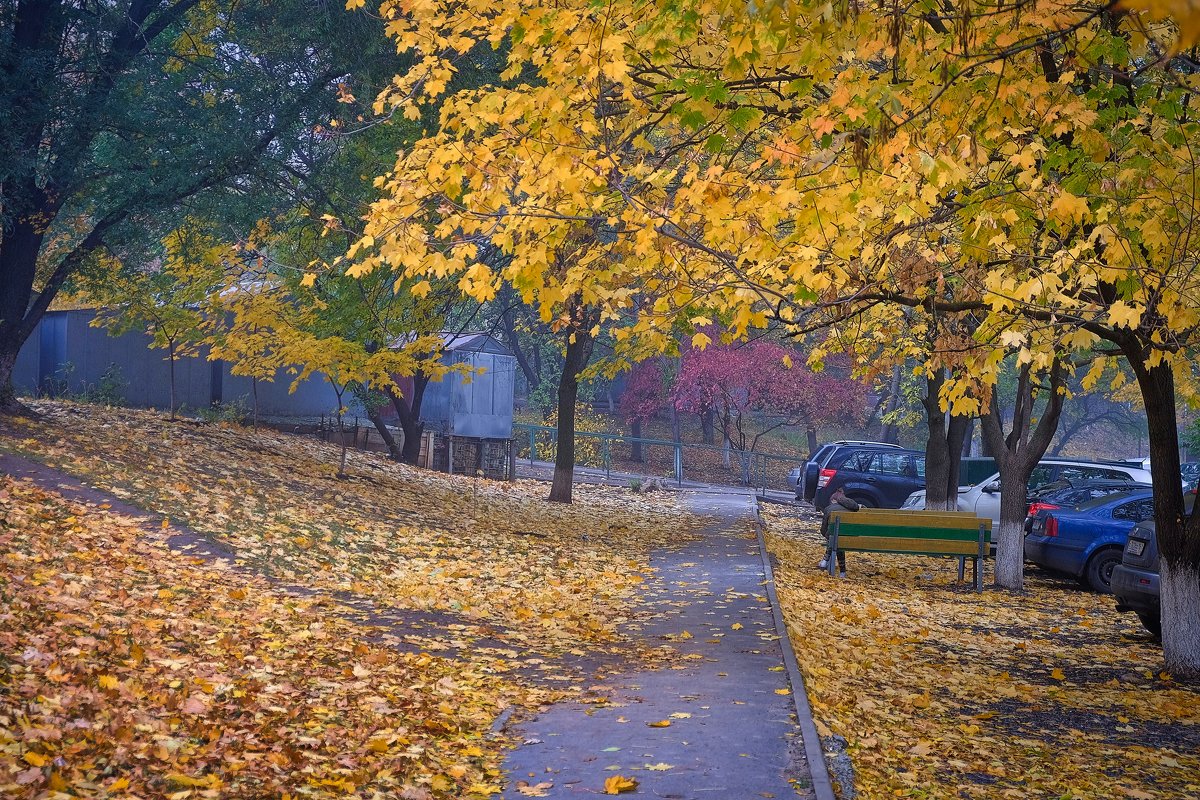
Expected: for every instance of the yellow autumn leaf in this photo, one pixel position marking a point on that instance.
(108, 682)
(1124, 315)
(783, 691)
(36, 759)
(619, 784)
(662, 723)
(1058, 674)
(737, 626)
(661, 766)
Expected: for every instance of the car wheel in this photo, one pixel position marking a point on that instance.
(1099, 569)
(1151, 622)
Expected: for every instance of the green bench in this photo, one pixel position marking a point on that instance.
(958, 534)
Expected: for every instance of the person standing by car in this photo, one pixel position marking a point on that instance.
(838, 502)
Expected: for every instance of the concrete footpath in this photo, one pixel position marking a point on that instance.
(733, 728)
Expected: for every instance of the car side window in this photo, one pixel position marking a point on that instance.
(920, 462)
(857, 462)
(1075, 473)
(1135, 511)
(1040, 476)
(893, 463)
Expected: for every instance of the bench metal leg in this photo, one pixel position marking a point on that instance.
(980, 556)
(833, 542)
(962, 568)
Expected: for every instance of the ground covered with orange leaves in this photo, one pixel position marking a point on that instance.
(940, 692)
(361, 637)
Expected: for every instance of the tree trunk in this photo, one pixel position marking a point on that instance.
(8, 395)
(811, 434)
(171, 368)
(968, 437)
(254, 392)
(385, 433)
(890, 433)
(579, 352)
(408, 412)
(943, 448)
(635, 446)
(676, 435)
(1178, 534)
(1016, 455)
(707, 431)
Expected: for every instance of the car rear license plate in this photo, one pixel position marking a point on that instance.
(1136, 547)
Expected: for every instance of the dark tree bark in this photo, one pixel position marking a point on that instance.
(943, 448)
(891, 432)
(408, 412)
(579, 352)
(813, 445)
(385, 433)
(635, 447)
(707, 429)
(1178, 533)
(1016, 454)
(508, 321)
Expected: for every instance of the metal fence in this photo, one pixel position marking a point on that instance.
(700, 463)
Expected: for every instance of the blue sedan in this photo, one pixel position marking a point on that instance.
(1087, 541)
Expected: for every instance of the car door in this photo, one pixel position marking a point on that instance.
(987, 504)
(896, 477)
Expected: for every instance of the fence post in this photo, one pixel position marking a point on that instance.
(678, 464)
(607, 450)
(532, 445)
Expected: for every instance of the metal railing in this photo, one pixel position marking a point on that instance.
(761, 471)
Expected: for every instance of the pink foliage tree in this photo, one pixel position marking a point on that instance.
(734, 382)
(644, 396)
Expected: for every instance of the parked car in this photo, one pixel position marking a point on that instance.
(1086, 541)
(983, 499)
(1135, 579)
(1190, 472)
(1068, 493)
(795, 478)
(812, 467)
(876, 477)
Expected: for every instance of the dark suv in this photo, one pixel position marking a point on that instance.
(806, 486)
(877, 477)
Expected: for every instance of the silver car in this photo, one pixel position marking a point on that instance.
(984, 497)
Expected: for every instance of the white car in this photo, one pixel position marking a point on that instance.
(983, 499)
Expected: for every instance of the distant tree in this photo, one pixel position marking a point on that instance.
(113, 114)
(165, 299)
(645, 395)
(734, 382)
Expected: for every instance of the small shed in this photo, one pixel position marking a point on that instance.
(472, 415)
(479, 406)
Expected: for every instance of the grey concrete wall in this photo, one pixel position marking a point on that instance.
(65, 349)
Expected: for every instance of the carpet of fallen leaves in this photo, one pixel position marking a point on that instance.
(941, 692)
(130, 668)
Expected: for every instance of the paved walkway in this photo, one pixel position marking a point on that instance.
(544, 471)
(733, 729)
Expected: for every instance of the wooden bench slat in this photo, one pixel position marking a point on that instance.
(912, 532)
(927, 521)
(893, 544)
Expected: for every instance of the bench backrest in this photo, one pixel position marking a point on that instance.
(925, 532)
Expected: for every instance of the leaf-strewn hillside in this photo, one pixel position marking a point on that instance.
(129, 667)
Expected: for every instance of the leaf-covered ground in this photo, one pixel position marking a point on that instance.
(944, 693)
(128, 668)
